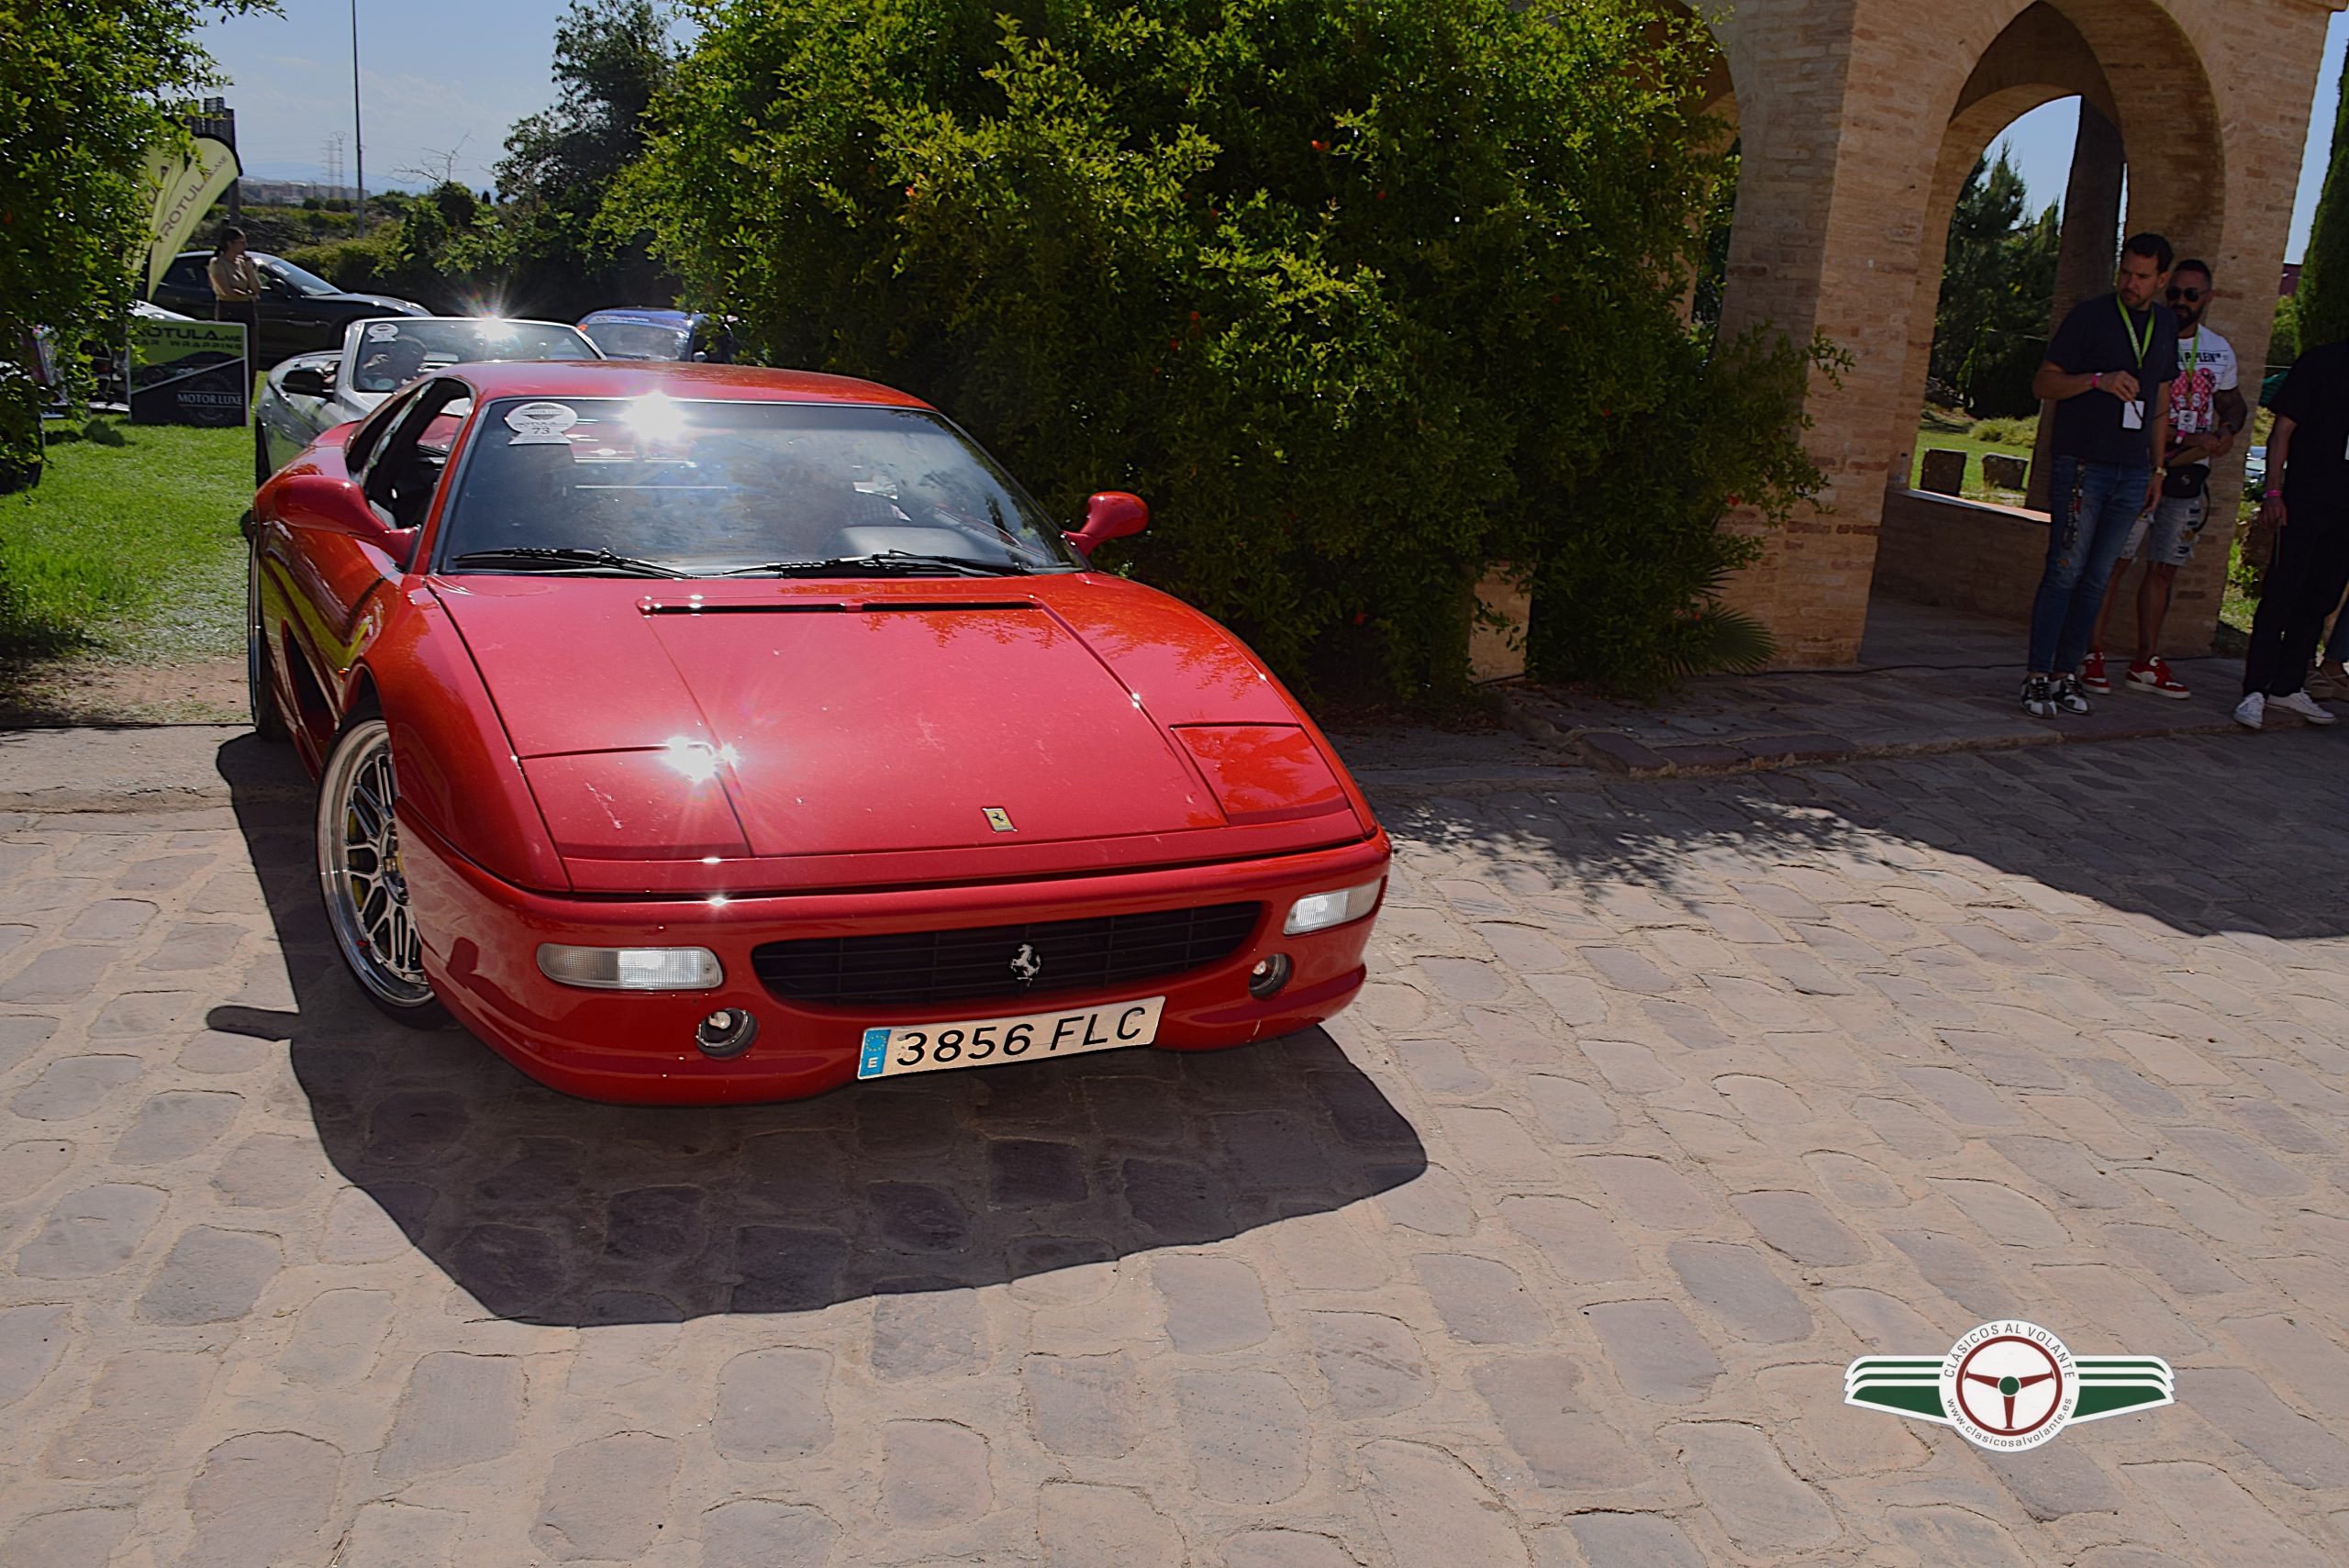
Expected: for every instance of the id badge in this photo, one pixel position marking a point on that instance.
(2132, 415)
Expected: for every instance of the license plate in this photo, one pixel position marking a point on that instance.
(989, 1042)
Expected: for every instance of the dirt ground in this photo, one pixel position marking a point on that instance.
(107, 691)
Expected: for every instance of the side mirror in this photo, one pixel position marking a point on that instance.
(1110, 514)
(338, 505)
(308, 380)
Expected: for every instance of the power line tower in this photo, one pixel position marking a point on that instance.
(334, 164)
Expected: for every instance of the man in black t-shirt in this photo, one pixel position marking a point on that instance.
(2107, 371)
(2307, 502)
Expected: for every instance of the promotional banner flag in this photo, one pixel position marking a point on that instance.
(183, 181)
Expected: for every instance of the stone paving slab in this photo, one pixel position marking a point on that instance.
(1668, 1098)
(1929, 680)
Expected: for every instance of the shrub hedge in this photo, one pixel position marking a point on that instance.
(1361, 295)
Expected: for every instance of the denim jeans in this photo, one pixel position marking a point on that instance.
(2091, 508)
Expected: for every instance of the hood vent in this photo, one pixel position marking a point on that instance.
(826, 607)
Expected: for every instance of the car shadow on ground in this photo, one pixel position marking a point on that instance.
(2210, 835)
(553, 1210)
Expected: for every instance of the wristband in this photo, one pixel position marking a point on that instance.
(2272, 491)
(2096, 380)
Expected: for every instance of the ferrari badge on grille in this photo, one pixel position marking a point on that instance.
(1026, 965)
(1000, 819)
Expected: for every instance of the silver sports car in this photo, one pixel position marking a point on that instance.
(312, 393)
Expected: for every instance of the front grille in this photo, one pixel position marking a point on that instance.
(909, 968)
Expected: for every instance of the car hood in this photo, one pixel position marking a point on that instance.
(803, 735)
(382, 302)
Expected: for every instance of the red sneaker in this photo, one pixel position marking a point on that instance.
(2092, 674)
(2156, 677)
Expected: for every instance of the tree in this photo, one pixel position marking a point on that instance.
(611, 58)
(2321, 305)
(1363, 295)
(1997, 286)
(85, 89)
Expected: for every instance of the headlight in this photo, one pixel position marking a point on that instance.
(1319, 911)
(631, 969)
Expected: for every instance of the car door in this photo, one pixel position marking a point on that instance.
(185, 288)
(331, 576)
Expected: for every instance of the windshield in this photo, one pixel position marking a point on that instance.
(304, 282)
(392, 353)
(637, 339)
(708, 488)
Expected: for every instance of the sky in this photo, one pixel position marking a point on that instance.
(442, 77)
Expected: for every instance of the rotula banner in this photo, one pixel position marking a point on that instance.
(188, 372)
(183, 181)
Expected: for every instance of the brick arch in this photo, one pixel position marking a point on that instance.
(2146, 75)
(2038, 58)
(1860, 118)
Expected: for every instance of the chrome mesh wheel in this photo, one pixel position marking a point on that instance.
(359, 869)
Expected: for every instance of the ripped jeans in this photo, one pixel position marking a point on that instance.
(2091, 506)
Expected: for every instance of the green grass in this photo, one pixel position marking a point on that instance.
(1958, 435)
(129, 548)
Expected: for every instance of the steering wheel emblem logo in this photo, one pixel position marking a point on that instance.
(2008, 1385)
(1026, 965)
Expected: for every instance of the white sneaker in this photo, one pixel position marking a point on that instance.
(2252, 712)
(2299, 702)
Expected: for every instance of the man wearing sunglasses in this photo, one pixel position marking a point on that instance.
(2107, 371)
(2205, 413)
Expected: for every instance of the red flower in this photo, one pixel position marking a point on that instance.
(1318, 145)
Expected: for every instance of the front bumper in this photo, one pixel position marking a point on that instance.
(481, 936)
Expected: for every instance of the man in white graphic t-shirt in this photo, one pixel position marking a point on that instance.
(2205, 413)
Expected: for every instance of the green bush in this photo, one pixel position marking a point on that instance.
(2008, 432)
(1361, 295)
(359, 265)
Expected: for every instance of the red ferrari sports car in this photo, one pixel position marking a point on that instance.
(701, 733)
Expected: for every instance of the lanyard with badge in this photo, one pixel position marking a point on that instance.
(2133, 412)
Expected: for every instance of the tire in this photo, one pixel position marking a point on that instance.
(260, 701)
(357, 858)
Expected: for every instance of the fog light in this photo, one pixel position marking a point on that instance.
(631, 969)
(1319, 911)
(726, 1032)
(1269, 976)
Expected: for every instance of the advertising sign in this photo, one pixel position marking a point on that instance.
(188, 372)
(183, 181)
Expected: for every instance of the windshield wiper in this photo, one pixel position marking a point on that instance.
(531, 557)
(885, 562)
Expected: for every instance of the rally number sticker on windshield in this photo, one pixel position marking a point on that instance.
(541, 424)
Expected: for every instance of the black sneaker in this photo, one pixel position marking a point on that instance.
(2069, 698)
(2039, 697)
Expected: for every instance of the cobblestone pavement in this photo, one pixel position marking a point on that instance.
(1669, 1098)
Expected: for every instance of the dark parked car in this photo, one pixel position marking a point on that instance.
(645, 332)
(300, 311)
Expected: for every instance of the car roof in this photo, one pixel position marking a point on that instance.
(651, 315)
(634, 378)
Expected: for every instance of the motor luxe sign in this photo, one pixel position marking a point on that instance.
(188, 372)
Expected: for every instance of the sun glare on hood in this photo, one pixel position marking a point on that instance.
(698, 760)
